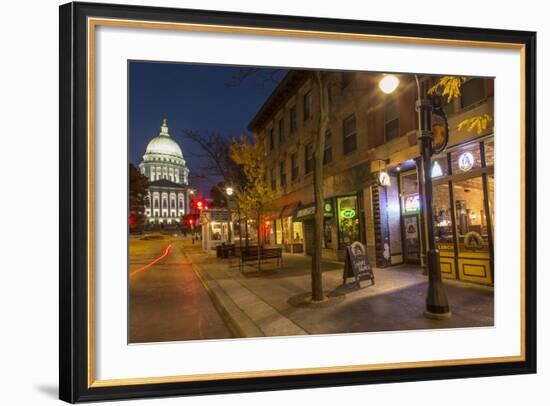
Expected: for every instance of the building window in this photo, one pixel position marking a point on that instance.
(172, 204)
(348, 221)
(293, 119)
(273, 179)
(271, 139)
(391, 120)
(282, 173)
(309, 157)
(281, 130)
(294, 166)
(472, 92)
(156, 204)
(350, 134)
(327, 155)
(308, 102)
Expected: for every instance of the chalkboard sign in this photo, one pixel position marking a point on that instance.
(357, 264)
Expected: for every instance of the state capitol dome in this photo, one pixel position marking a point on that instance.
(163, 144)
(163, 159)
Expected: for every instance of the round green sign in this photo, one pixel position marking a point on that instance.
(348, 213)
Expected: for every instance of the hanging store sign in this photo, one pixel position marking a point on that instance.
(440, 130)
(466, 161)
(384, 179)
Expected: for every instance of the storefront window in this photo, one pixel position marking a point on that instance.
(489, 153)
(298, 233)
(409, 193)
(442, 213)
(278, 231)
(471, 220)
(439, 167)
(466, 159)
(348, 221)
(287, 230)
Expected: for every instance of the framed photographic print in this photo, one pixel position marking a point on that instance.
(257, 202)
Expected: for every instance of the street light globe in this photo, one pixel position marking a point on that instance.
(229, 190)
(388, 83)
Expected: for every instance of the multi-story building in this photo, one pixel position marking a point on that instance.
(167, 200)
(369, 133)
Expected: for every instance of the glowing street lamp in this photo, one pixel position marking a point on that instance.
(229, 191)
(388, 83)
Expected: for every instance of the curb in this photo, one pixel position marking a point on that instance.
(236, 320)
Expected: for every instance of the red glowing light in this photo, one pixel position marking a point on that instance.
(150, 264)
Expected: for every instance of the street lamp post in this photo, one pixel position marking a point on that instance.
(229, 193)
(437, 305)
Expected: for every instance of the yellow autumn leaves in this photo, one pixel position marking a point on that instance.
(449, 86)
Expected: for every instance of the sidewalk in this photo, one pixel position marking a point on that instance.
(273, 302)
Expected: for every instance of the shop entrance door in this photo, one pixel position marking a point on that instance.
(411, 232)
(309, 235)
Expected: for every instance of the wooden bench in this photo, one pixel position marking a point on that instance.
(265, 254)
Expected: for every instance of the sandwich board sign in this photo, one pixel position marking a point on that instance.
(357, 264)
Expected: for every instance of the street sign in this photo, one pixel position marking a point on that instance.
(357, 264)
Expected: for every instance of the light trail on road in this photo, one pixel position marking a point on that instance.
(143, 268)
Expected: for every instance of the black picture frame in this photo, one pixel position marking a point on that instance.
(73, 256)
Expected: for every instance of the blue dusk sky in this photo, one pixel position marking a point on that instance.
(192, 97)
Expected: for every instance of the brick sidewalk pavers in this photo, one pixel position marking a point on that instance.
(272, 302)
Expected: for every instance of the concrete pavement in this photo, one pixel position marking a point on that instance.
(273, 302)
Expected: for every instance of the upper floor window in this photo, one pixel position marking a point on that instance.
(391, 120)
(472, 92)
(282, 173)
(271, 139)
(309, 157)
(293, 125)
(349, 134)
(327, 155)
(308, 103)
(294, 166)
(281, 130)
(273, 179)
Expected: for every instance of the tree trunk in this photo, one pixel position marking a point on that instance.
(316, 272)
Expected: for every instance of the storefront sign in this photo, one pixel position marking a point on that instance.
(384, 179)
(357, 264)
(436, 170)
(303, 212)
(466, 161)
(440, 130)
(348, 213)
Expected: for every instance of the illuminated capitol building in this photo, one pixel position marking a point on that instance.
(168, 193)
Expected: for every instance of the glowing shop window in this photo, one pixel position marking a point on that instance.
(412, 203)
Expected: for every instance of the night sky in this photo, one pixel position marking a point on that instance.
(192, 97)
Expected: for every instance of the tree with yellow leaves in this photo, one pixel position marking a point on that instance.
(255, 198)
(449, 86)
